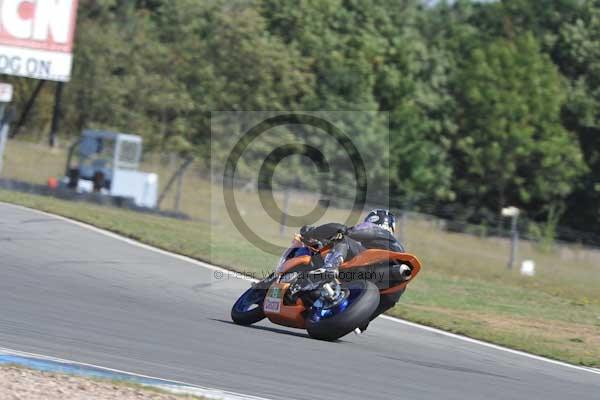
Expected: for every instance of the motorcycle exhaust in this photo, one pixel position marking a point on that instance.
(405, 271)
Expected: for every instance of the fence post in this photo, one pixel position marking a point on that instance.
(176, 175)
(56, 114)
(283, 221)
(513, 213)
(178, 190)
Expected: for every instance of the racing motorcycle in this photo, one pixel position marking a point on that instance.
(301, 294)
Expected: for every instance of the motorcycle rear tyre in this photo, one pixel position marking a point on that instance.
(357, 314)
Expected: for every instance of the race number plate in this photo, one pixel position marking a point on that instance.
(273, 300)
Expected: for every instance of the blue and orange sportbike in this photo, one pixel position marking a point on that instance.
(300, 294)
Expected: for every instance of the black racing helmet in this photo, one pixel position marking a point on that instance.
(382, 217)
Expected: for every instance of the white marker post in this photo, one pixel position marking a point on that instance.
(513, 213)
(6, 92)
(528, 268)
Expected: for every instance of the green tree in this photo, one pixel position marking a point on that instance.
(511, 148)
(371, 56)
(227, 60)
(121, 77)
(578, 50)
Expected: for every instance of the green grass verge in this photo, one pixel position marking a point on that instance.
(555, 314)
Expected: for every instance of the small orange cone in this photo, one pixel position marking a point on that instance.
(52, 183)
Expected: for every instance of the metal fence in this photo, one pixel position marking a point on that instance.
(187, 187)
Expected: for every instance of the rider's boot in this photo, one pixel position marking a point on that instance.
(331, 264)
(333, 260)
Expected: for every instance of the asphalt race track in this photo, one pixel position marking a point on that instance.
(74, 293)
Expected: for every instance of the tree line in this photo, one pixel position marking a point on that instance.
(490, 104)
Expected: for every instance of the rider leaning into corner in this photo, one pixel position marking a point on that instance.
(376, 232)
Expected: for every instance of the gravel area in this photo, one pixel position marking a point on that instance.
(18, 383)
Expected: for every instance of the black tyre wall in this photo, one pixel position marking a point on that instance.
(357, 314)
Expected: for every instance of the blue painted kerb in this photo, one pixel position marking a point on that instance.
(78, 369)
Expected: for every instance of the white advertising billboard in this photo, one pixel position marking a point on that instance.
(36, 38)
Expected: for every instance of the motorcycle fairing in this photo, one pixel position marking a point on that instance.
(282, 314)
(293, 315)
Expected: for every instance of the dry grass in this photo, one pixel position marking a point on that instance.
(576, 342)
(464, 285)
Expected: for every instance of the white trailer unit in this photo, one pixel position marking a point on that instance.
(108, 162)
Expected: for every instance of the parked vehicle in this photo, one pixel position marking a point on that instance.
(108, 162)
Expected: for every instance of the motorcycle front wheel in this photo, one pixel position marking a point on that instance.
(361, 299)
(248, 309)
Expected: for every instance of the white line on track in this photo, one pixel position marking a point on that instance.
(397, 320)
(175, 387)
(490, 345)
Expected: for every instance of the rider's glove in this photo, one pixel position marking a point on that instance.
(333, 260)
